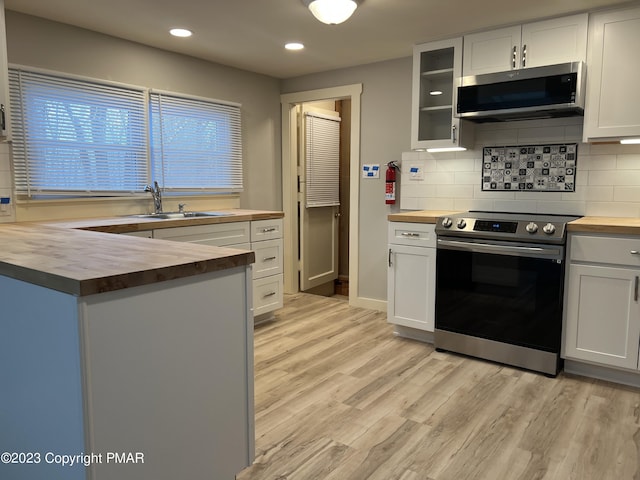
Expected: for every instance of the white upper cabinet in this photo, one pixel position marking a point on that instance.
(535, 44)
(613, 96)
(433, 125)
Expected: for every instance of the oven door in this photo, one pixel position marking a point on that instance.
(501, 291)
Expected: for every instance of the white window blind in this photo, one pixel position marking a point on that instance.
(77, 137)
(196, 144)
(322, 158)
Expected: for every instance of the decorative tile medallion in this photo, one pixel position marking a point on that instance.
(544, 168)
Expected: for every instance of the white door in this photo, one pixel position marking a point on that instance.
(603, 315)
(318, 197)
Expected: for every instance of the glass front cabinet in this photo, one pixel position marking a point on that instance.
(436, 68)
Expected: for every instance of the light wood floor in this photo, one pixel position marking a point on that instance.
(338, 397)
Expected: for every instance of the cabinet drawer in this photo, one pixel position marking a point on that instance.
(611, 250)
(267, 294)
(268, 258)
(266, 229)
(218, 235)
(416, 234)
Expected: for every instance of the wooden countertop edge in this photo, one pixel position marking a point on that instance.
(195, 263)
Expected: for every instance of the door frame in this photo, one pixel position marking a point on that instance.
(289, 103)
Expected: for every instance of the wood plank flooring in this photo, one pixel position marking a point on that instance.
(338, 397)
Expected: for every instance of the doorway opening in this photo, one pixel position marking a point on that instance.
(323, 196)
(348, 99)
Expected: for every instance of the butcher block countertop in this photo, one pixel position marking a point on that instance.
(78, 258)
(612, 225)
(129, 224)
(422, 216)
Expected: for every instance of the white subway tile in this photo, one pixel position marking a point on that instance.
(626, 194)
(468, 178)
(562, 208)
(539, 135)
(616, 177)
(515, 206)
(628, 162)
(590, 194)
(614, 149)
(435, 204)
(456, 165)
(454, 191)
(439, 178)
(408, 203)
(573, 133)
(463, 204)
(537, 196)
(613, 209)
(597, 162)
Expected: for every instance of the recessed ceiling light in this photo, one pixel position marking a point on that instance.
(180, 32)
(435, 92)
(294, 46)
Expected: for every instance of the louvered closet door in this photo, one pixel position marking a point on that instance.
(319, 198)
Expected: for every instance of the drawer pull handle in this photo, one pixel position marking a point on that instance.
(268, 259)
(410, 234)
(270, 294)
(635, 291)
(634, 252)
(267, 230)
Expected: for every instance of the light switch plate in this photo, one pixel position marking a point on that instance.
(370, 171)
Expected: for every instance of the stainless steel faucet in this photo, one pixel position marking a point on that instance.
(157, 196)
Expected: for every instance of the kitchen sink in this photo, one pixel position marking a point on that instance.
(173, 215)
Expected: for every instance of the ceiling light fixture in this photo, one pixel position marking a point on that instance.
(331, 12)
(294, 46)
(180, 32)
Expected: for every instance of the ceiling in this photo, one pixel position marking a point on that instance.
(251, 34)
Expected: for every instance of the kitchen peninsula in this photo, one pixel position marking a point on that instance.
(125, 345)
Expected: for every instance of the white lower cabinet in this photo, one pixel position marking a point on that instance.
(602, 320)
(264, 237)
(411, 275)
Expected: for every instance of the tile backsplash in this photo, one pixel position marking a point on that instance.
(6, 210)
(607, 181)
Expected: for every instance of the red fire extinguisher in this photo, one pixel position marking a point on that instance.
(390, 185)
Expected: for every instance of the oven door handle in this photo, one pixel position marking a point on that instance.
(514, 250)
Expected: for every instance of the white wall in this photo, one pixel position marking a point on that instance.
(37, 42)
(607, 181)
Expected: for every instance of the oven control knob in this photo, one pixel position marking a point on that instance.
(531, 227)
(549, 229)
(447, 222)
(461, 223)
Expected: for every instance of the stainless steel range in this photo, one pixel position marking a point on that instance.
(499, 287)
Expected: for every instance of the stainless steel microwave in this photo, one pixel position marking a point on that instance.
(538, 92)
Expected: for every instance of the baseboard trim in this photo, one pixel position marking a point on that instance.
(371, 303)
(614, 375)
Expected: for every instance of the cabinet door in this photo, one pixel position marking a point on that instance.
(493, 51)
(612, 80)
(436, 65)
(558, 40)
(411, 287)
(602, 315)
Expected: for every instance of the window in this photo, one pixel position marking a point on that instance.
(83, 137)
(74, 137)
(195, 144)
